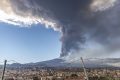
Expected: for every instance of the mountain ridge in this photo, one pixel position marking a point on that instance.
(61, 62)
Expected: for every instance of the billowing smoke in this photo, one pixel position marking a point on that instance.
(87, 26)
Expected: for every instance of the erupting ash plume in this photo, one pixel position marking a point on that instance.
(87, 26)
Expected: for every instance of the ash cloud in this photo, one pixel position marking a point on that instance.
(80, 22)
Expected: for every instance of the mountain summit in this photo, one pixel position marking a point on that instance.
(63, 63)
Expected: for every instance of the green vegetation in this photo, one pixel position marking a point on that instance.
(35, 78)
(103, 78)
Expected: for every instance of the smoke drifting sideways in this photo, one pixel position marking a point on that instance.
(88, 27)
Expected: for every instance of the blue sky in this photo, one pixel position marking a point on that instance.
(25, 45)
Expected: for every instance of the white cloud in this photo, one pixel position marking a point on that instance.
(100, 5)
(8, 15)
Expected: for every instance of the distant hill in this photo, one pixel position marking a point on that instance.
(60, 62)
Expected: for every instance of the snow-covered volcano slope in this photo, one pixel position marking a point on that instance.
(61, 62)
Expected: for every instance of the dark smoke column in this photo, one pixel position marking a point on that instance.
(79, 22)
(72, 39)
(68, 14)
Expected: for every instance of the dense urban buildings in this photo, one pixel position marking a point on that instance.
(61, 74)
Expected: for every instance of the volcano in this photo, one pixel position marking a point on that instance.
(63, 63)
